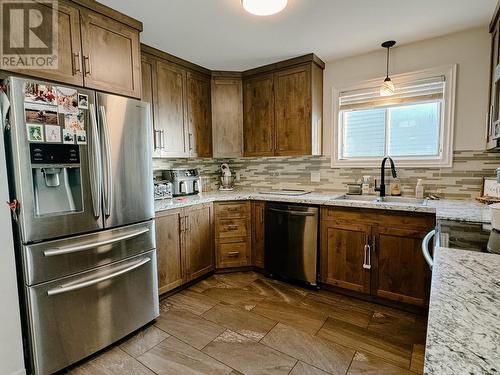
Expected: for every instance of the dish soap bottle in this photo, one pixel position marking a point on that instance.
(419, 189)
(365, 189)
(395, 187)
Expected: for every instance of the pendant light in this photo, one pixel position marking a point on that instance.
(387, 88)
(264, 7)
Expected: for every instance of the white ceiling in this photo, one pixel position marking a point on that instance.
(219, 34)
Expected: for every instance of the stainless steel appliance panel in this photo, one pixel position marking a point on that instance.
(292, 241)
(55, 259)
(77, 316)
(41, 227)
(125, 128)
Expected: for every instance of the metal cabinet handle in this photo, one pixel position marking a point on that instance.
(190, 142)
(88, 65)
(367, 262)
(92, 245)
(296, 213)
(64, 288)
(232, 227)
(262, 216)
(233, 254)
(108, 175)
(425, 248)
(162, 137)
(77, 68)
(95, 164)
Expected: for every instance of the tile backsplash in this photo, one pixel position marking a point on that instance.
(462, 181)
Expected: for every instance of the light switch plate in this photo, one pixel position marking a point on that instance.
(315, 176)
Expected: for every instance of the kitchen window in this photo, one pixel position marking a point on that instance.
(414, 126)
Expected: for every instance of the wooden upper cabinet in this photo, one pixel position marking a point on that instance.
(401, 271)
(148, 72)
(170, 111)
(227, 117)
(111, 55)
(169, 252)
(69, 53)
(199, 241)
(292, 92)
(199, 115)
(343, 255)
(258, 116)
(283, 108)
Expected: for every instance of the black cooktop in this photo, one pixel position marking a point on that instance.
(468, 236)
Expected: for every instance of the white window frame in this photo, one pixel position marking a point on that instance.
(445, 157)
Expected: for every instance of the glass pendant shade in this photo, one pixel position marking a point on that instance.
(387, 88)
(264, 7)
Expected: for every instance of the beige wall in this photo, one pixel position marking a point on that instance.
(470, 49)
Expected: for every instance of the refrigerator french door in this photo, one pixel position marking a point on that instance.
(81, 171)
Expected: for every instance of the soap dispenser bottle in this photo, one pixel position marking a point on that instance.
(419, 189)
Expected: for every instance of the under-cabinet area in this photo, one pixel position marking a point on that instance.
(373, 253)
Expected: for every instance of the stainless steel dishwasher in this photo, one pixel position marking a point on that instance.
(292, 242)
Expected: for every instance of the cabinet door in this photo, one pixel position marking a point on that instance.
(69, 69)
(227, 118)
(111, 55)
(258, 116)
(170, 111)
(292, 91)
(148, 82)
(343, 255)
(169, 251)
(199, 115)
(400, 272)
(258, 232)
(199, 241)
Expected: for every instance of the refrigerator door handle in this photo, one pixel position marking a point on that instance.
(108, 175)
(92, 245)
(75, 285)
(95, 165)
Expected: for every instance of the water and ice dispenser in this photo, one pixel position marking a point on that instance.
(56, 176)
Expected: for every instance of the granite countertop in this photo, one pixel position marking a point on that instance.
(445, 209)
(463, 335)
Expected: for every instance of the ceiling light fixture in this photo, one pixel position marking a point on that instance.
(264, 7)
(387, 88)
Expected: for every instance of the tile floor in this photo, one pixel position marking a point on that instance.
(244, 323)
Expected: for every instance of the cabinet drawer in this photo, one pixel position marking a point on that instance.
(228, 228)
(233, 254)
(232, 210)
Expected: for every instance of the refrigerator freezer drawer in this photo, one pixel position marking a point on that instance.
(74, 317)
(54, 259)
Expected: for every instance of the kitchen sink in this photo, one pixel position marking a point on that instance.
(376, 199)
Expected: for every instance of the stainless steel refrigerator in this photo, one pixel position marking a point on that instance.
(84, 217)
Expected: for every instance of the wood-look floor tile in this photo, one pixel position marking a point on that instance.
(379, 308)
(247, 356)
(246, 323)
(235, 296)
(321, 353)
(339, 310)
(411, 331)
(213, 281)
(194, 302)
(278, 291)
(366, 341)
(188, 327)
(366, 364)
(143, 340)
(173, 357)
(418, 359)
(302, 368)
(239, 279)
(295, 316)
(113, 362)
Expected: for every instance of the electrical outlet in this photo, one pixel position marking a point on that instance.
(315, 176)
(238, 176)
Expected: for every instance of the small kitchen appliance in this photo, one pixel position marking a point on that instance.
(226, 178)
(163, 190)
(184, 181)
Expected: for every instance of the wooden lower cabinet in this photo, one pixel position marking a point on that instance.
(184, 245)
(258, 233)
(233, 238)
(375, 253)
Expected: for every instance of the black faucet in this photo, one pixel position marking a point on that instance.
(381, 188)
